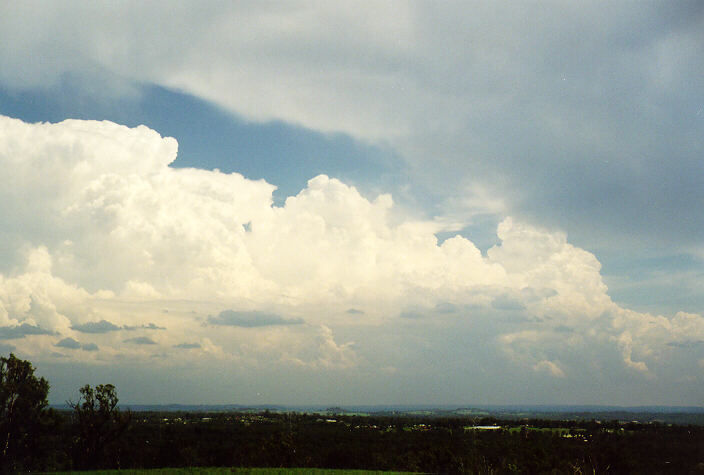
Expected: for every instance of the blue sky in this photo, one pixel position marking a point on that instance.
(433, 196)
(209, 137)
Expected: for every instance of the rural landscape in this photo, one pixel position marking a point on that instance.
(94, 432)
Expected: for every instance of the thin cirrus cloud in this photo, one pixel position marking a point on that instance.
(109, 228)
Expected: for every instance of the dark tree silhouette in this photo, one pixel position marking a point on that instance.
(23, 413)
(99, 423)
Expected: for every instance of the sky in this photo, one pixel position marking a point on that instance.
(355, 203)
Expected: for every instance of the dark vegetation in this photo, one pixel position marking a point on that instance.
(93, 433)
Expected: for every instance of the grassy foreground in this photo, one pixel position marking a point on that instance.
(221, 470)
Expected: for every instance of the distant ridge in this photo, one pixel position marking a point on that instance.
(377, 408)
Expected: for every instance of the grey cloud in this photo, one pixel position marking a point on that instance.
(69, 343)
(445, 307)
(187, 346)
(569, 109)
(250, 319)
(442, 309)
(507, 302)
(141, 340)
(410, 314)
(686, 343)
(72, 344)
(103, 326)
(20, 331)
(149, 326)
(354, 311)
(569, 145)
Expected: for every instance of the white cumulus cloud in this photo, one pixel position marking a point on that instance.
(105, 235)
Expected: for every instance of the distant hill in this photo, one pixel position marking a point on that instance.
(665, 414)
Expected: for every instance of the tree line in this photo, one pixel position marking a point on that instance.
(95, 434)
(37, 437)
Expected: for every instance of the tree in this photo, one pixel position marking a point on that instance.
(99, 423)
(23, 413)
